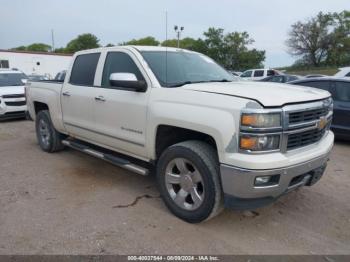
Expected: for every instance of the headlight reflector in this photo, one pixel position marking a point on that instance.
(261, 120)
(259, 142)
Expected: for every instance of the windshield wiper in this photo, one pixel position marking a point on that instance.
(196, 82)
(220, 80)
(185, 83)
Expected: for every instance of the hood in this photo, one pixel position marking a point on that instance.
(267, 94)
(11, 90)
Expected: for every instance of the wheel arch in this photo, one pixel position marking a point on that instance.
(167, 135)
(40, 106)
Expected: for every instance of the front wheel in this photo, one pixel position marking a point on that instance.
(49, 139)
(188, 179)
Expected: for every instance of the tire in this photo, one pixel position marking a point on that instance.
(48, 138)
(188, 181)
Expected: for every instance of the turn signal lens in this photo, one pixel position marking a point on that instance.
(259, 143)
(247, 143)
(249, 120)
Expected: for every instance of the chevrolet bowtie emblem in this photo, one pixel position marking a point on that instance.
(322, 123)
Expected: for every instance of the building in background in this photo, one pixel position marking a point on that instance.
(35, 63)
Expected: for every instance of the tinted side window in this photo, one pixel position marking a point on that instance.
(342, 91)
(270, 73)
(247, 74)
(84, 69)
(348, 74)
(118, 62)
(318, 84)
(4, 64)
(258, 73)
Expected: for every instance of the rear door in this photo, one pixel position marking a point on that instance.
(341, 120)
(77, 97)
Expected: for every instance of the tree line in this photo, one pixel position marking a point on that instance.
(231, 50)
(323, 40)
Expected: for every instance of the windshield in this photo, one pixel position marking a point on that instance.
(12, 79)
(184, 68)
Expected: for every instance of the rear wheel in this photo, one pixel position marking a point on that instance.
(188, 178)
(49, 139)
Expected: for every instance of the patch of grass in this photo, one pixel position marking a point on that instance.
(322, 71)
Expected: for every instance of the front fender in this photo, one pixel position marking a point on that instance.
(215, 122)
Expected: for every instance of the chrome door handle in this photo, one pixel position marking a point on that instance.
(66, 93)
(100, 98)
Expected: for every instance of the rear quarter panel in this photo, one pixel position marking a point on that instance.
(48, 93)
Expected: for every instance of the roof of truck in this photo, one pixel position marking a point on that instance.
(137, 47)
(158, 48)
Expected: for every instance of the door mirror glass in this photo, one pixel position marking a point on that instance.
(128, 81)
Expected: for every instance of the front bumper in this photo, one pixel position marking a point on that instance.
(11, 112)
(13, 115)
(239, 184)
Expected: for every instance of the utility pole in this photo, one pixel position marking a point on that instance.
(178, 31)
(53, 42)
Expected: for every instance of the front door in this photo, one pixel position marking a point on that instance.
(120, 114)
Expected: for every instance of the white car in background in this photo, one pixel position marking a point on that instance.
(258, 74)
(344, 72)
(12, 97)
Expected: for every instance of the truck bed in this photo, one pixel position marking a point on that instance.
(47, 92)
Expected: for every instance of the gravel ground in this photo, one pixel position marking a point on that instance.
(71, 203)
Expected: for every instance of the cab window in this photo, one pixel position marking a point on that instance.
(84, 69)
(271, 73)
(258, 73)
(119, 62)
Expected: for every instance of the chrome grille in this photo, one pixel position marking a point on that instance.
(15, 103)
(13, 96)
(304, 138)
(307, 126)
(307, 116)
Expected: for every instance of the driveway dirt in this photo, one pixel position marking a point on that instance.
(71, 203)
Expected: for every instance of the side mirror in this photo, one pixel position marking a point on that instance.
(128, 81)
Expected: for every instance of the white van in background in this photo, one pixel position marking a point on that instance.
(258, 74)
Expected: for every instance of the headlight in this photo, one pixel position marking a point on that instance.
(259, 142)
(261, 120)
(330, 106)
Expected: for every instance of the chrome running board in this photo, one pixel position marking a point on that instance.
(115, 160)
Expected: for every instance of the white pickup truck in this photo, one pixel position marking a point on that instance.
(213, 142)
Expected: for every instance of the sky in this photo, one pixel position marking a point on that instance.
(114, 21)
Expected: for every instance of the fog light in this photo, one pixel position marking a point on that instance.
(266, 180)
(261, 180)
